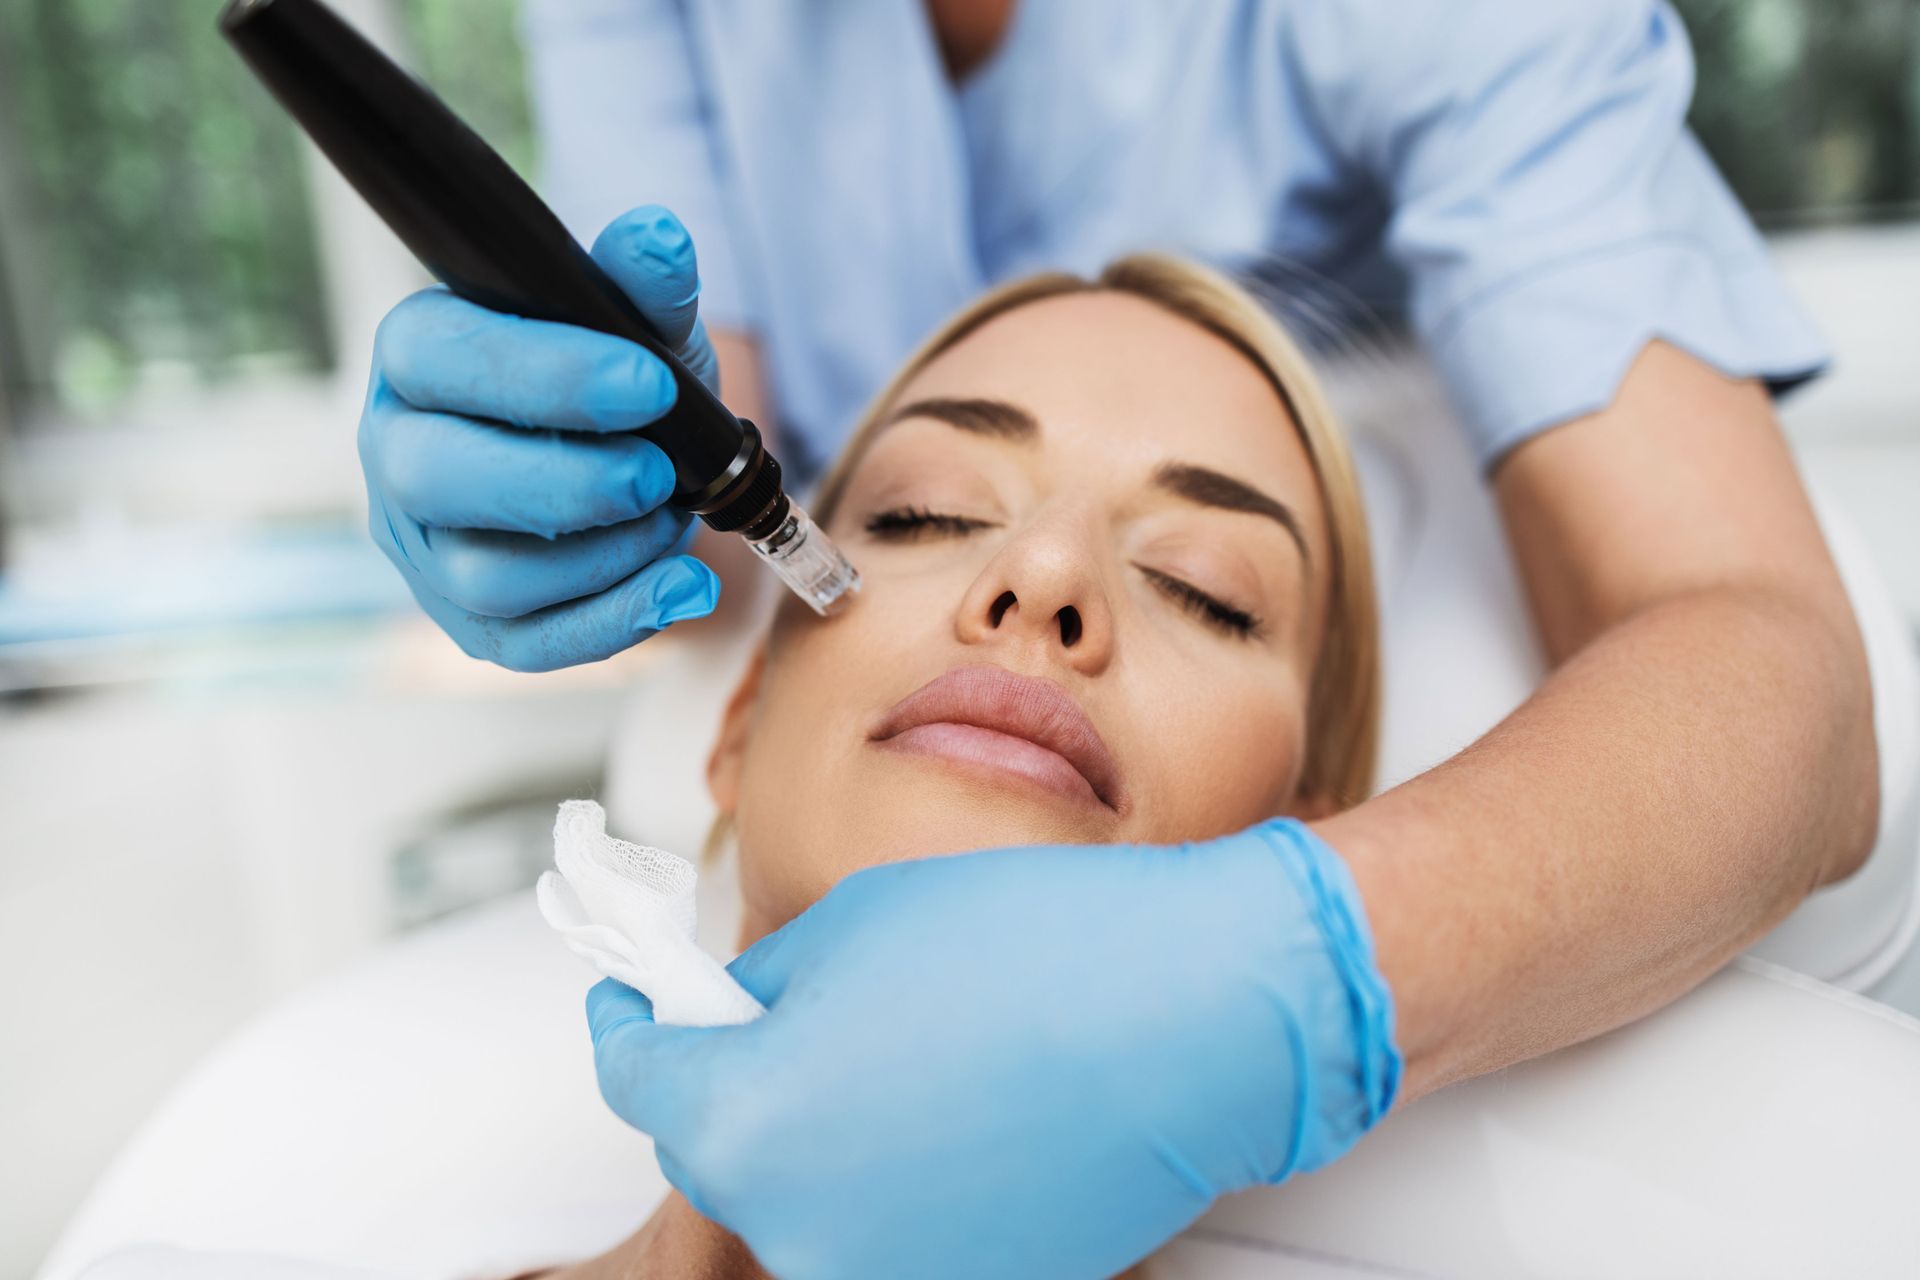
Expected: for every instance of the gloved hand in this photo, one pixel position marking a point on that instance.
(506, 479)
(1031, 1062)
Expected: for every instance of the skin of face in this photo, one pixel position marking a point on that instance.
(1205, 726)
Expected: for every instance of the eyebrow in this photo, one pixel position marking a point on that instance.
(982, 417)
(1200, 485)
(1211, 488)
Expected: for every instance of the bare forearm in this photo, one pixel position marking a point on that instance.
(1668, 795)
(1700, 760)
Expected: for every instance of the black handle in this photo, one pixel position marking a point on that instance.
(474, 224)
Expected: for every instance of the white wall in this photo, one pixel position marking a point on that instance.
(174, 858)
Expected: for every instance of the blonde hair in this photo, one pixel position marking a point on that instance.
(1343, 709)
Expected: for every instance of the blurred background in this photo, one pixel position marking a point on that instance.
(232, 754)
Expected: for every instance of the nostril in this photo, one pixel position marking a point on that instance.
(1000, 606)
(1069, 626)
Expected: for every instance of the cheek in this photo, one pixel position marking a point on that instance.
(784, 823)
(1224, 754)
(809, 813)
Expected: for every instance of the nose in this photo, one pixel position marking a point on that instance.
(1043, 588)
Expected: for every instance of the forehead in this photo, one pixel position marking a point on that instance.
(1117, 376)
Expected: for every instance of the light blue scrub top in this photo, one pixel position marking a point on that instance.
(1511, 179)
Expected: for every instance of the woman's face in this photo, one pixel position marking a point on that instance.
(1095, 574)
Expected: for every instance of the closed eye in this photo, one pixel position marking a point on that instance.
(909, 524)
(1212, 611)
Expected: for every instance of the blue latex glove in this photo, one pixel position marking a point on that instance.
(505, 478)
(1033, 1062)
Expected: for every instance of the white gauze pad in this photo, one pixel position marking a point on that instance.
(627, 910)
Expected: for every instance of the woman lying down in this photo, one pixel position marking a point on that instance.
(1117, 590)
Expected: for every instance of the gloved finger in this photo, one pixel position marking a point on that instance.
(654, 1077)
(688, 537)
(610, 1002)
(510, 575)
(766, 967)
(651, 257)
(440, 352)
(402, 538)
(456, 473)
(585, 630)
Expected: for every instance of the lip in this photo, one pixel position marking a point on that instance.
(989, 716)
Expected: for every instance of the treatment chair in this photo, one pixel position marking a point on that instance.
(433, 1112)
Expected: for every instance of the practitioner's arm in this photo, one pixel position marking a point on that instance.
(1702, 757)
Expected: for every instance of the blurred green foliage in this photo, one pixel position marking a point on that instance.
(165, 216)
(154, 219)
(469, 51)
(161, 231)
(1812, 107)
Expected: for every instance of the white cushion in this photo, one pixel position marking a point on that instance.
(433, 1113)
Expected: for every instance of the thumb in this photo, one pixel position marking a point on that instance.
(766, 968)
(610, 1003)
(650, 256)
(654, 1077)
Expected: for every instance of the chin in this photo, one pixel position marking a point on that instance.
(915, 818)
(929, 817)
(944, 806)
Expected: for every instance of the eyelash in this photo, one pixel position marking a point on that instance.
(1216, 613)
(909, 524)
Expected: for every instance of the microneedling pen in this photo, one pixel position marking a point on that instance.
(473, 223)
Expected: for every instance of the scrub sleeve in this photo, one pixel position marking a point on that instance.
(1549, 208)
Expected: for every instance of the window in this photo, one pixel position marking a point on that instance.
(1812, 107)
(157, 228)
(165, 234)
